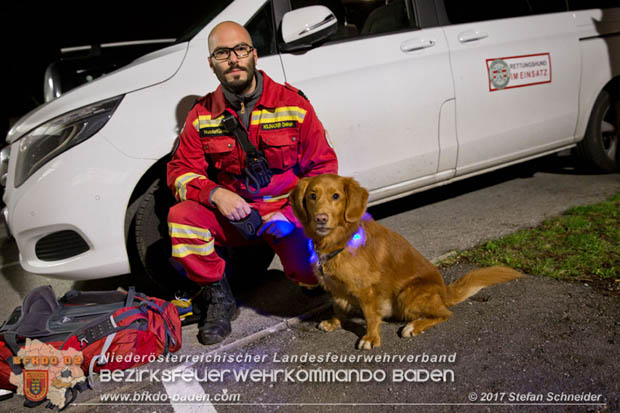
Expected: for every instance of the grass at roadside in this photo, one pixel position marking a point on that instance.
(581, 244)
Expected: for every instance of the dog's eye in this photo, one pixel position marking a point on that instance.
(313, 196)
(335, 196)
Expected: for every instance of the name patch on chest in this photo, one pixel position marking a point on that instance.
(213, 131)
(279, 125)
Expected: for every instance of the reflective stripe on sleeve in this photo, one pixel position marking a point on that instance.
(278, 115)
(181, 182)
(183, 250)
(189, 232)
(205, 121)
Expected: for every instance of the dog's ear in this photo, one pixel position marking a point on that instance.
(356, 200)
(296, 198)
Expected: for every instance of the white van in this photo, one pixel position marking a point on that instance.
(413, 93)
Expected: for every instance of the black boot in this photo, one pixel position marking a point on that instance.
(218, 309)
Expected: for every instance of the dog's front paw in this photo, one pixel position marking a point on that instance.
(330, 325)
(409, 330)
(367, 342)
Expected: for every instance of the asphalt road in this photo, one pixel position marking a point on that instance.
(514, 343)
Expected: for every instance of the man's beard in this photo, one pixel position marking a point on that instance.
(237, 86)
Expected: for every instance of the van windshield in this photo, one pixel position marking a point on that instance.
(168, 23)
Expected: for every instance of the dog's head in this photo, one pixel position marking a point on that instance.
(328, 204)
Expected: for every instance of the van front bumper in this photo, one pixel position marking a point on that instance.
(68, 218)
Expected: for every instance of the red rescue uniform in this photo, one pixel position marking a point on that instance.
(284, 126)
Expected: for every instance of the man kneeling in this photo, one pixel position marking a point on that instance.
(281, 123)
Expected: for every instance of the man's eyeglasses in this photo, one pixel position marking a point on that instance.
(241, 51)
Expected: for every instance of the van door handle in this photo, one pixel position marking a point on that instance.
(471, 36)
(416, 44)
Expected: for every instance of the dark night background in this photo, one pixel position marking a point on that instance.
(35, 32)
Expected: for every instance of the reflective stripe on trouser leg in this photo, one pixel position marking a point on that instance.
(193, 244)
(183, 250)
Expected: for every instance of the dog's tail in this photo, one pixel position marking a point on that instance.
(476, 280)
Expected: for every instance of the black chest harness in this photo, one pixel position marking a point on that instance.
(257, 173)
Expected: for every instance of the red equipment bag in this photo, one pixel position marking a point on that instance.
(5, 368)
(113, 330)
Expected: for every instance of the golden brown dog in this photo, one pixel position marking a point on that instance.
(365, 265)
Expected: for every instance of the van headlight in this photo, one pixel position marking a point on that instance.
(56, 136)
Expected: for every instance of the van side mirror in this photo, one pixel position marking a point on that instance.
(302, 28)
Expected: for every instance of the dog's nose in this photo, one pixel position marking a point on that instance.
(320, 219)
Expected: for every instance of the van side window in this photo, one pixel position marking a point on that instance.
(463, 12)
(548, 6)
(591, 4)
(261, 30)
(466, 12)
(365, 17)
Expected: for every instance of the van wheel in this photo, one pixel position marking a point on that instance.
(154, 248)
(152, 240)
(600, 146)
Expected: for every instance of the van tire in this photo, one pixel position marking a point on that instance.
(152, 240)
(154, 248)
(600, 145)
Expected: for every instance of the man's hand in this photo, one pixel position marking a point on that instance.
(276, 224)
(231, 205)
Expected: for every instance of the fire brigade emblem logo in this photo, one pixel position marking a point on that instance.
(35, 384)
(499, 73)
